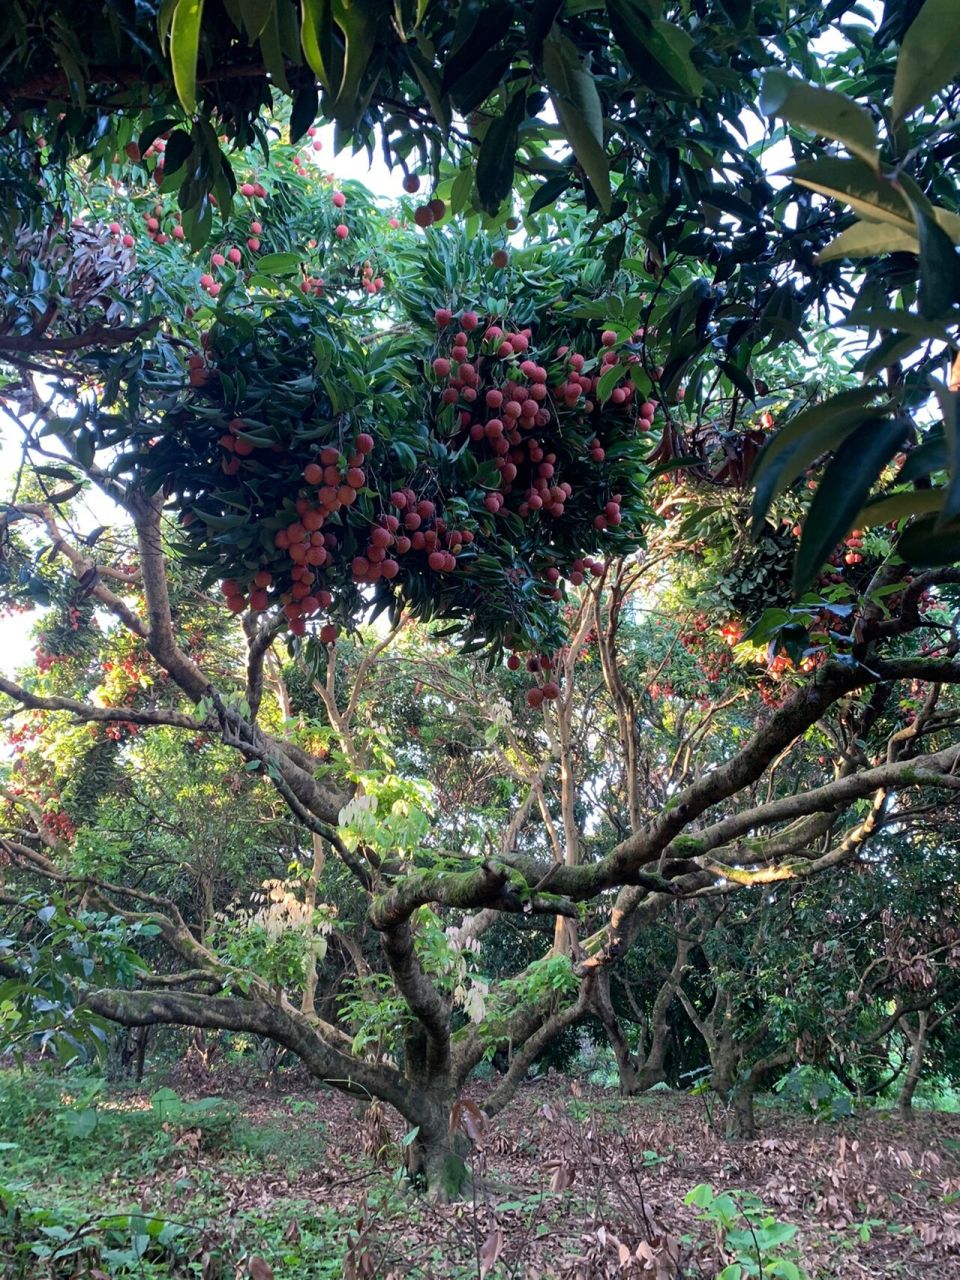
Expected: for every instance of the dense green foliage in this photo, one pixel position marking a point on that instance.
(654, 101)
(533, 729)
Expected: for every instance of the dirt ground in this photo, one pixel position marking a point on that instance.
(571, 1181)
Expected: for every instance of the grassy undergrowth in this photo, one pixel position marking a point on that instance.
(104, 1182)
(108, 1183)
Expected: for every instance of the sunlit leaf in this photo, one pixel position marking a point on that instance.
(184, 48)
(868, 240)
(823, 111)
(929, 57)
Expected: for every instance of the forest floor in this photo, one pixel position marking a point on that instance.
(235, 1177)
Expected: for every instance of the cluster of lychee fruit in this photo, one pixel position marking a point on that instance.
(504, 401)
(424, 215)
(219, 261)
(413, 525)
(548, 690)
(539, 424)
(155, 220)
(315, 145)
(334, 481)
(854, 548)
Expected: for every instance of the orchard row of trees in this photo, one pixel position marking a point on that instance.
(182, 875)
(766, 970)
(415, 674)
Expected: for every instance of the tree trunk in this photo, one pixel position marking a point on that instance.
(142, 1038)
(201, 1048)
(714, 1027)
(918, 1044)
(437, 1156)
(654, 1069)
(133, 1051)
(628, 1069)
(308, 1004)
(565, 940)
(729, 1082)
(749, 1080)
(723, 1068)
(425, 1096)
(641, 1071)
(744, 1124)
(603, 1008)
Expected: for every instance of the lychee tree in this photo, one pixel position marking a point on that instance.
(481, 456)
(329, 441)
(412, 879)
(706, 830)
(310, 422)
(471, 445)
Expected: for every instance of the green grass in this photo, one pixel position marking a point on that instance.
(76, 1158)
(937, 1094)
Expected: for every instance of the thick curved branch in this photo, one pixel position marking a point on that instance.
(937, 770)
(492, 884)
(532, 1046)
(260, 636)
(294, 766)
(515, 884)
(86, 711)
(97, 335)
(297, 1032)
(908, 616)
(160, 638)
(182, 979)
(802, 710)
(426, 1004)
